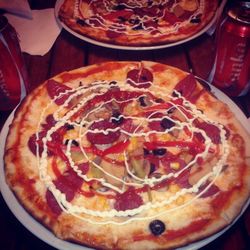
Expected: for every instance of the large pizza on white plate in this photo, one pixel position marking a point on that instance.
(128, 155)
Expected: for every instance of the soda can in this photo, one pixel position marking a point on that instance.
(13, 74)
(231, 69)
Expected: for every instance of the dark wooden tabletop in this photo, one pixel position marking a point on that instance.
(69, 52)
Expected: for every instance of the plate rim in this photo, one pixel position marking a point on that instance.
(44, 234)
(135, 48)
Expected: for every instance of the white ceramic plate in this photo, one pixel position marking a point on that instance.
(44, 234)
(114, 46)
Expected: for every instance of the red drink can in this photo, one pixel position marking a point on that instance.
(13, 75)
(231, 70)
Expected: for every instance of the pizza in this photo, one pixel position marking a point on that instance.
(137, 23)
(128, 155)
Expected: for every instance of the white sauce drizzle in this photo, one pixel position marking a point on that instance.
(98, 88)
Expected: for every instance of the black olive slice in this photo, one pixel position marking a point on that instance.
(117, 118)
(81, 22)
(69, 126)
(159, 151)
(157, 227)
(167, 123)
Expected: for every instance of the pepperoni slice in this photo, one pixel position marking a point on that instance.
(170, 18)
(55, 88)
(57, 137)
(84, 167)
(212, 190)
(150, 23)
(128, 200)
(69, 183)
(52, 203)
(50, 122)
(100, 137)
(182, 179)
(156, 125)
(186, 87)
(32, 143)
(140, 78)
(211, 130)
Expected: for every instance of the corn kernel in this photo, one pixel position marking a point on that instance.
(71, 134)
(175, 165)
(164, 137)
(120, 157)
(133, 144)
(174, 188)
(101, 203)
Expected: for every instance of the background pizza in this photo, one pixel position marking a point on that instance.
(137, 23)
(128, 155)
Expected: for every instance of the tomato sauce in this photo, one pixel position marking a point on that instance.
(174, 234)
(191, 228)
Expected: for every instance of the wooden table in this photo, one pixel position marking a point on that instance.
(69, 52)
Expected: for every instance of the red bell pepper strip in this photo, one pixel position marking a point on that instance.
(158, 107)
(116, 148)
(55, 168)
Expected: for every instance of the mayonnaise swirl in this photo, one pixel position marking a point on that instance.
(83, 124)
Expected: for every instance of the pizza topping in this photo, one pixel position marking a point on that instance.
(117, 148)
(196, 19)
(80, 22)
(128, 200)
(102, 133)
(117, 118)
(140, 167)
(167, 123)
(68, 183)
(186, 86)
(212, 190)
(52, 203)
(144, 101)
(157, 227)
(56, 90)
(84, 167)
(138, 27)
(140, 78)
(159, 151)
(32, 144)
(182, 179)
(178, 10)
(212, 131)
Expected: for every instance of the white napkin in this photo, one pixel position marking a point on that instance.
(17, 7)
(37, 35)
